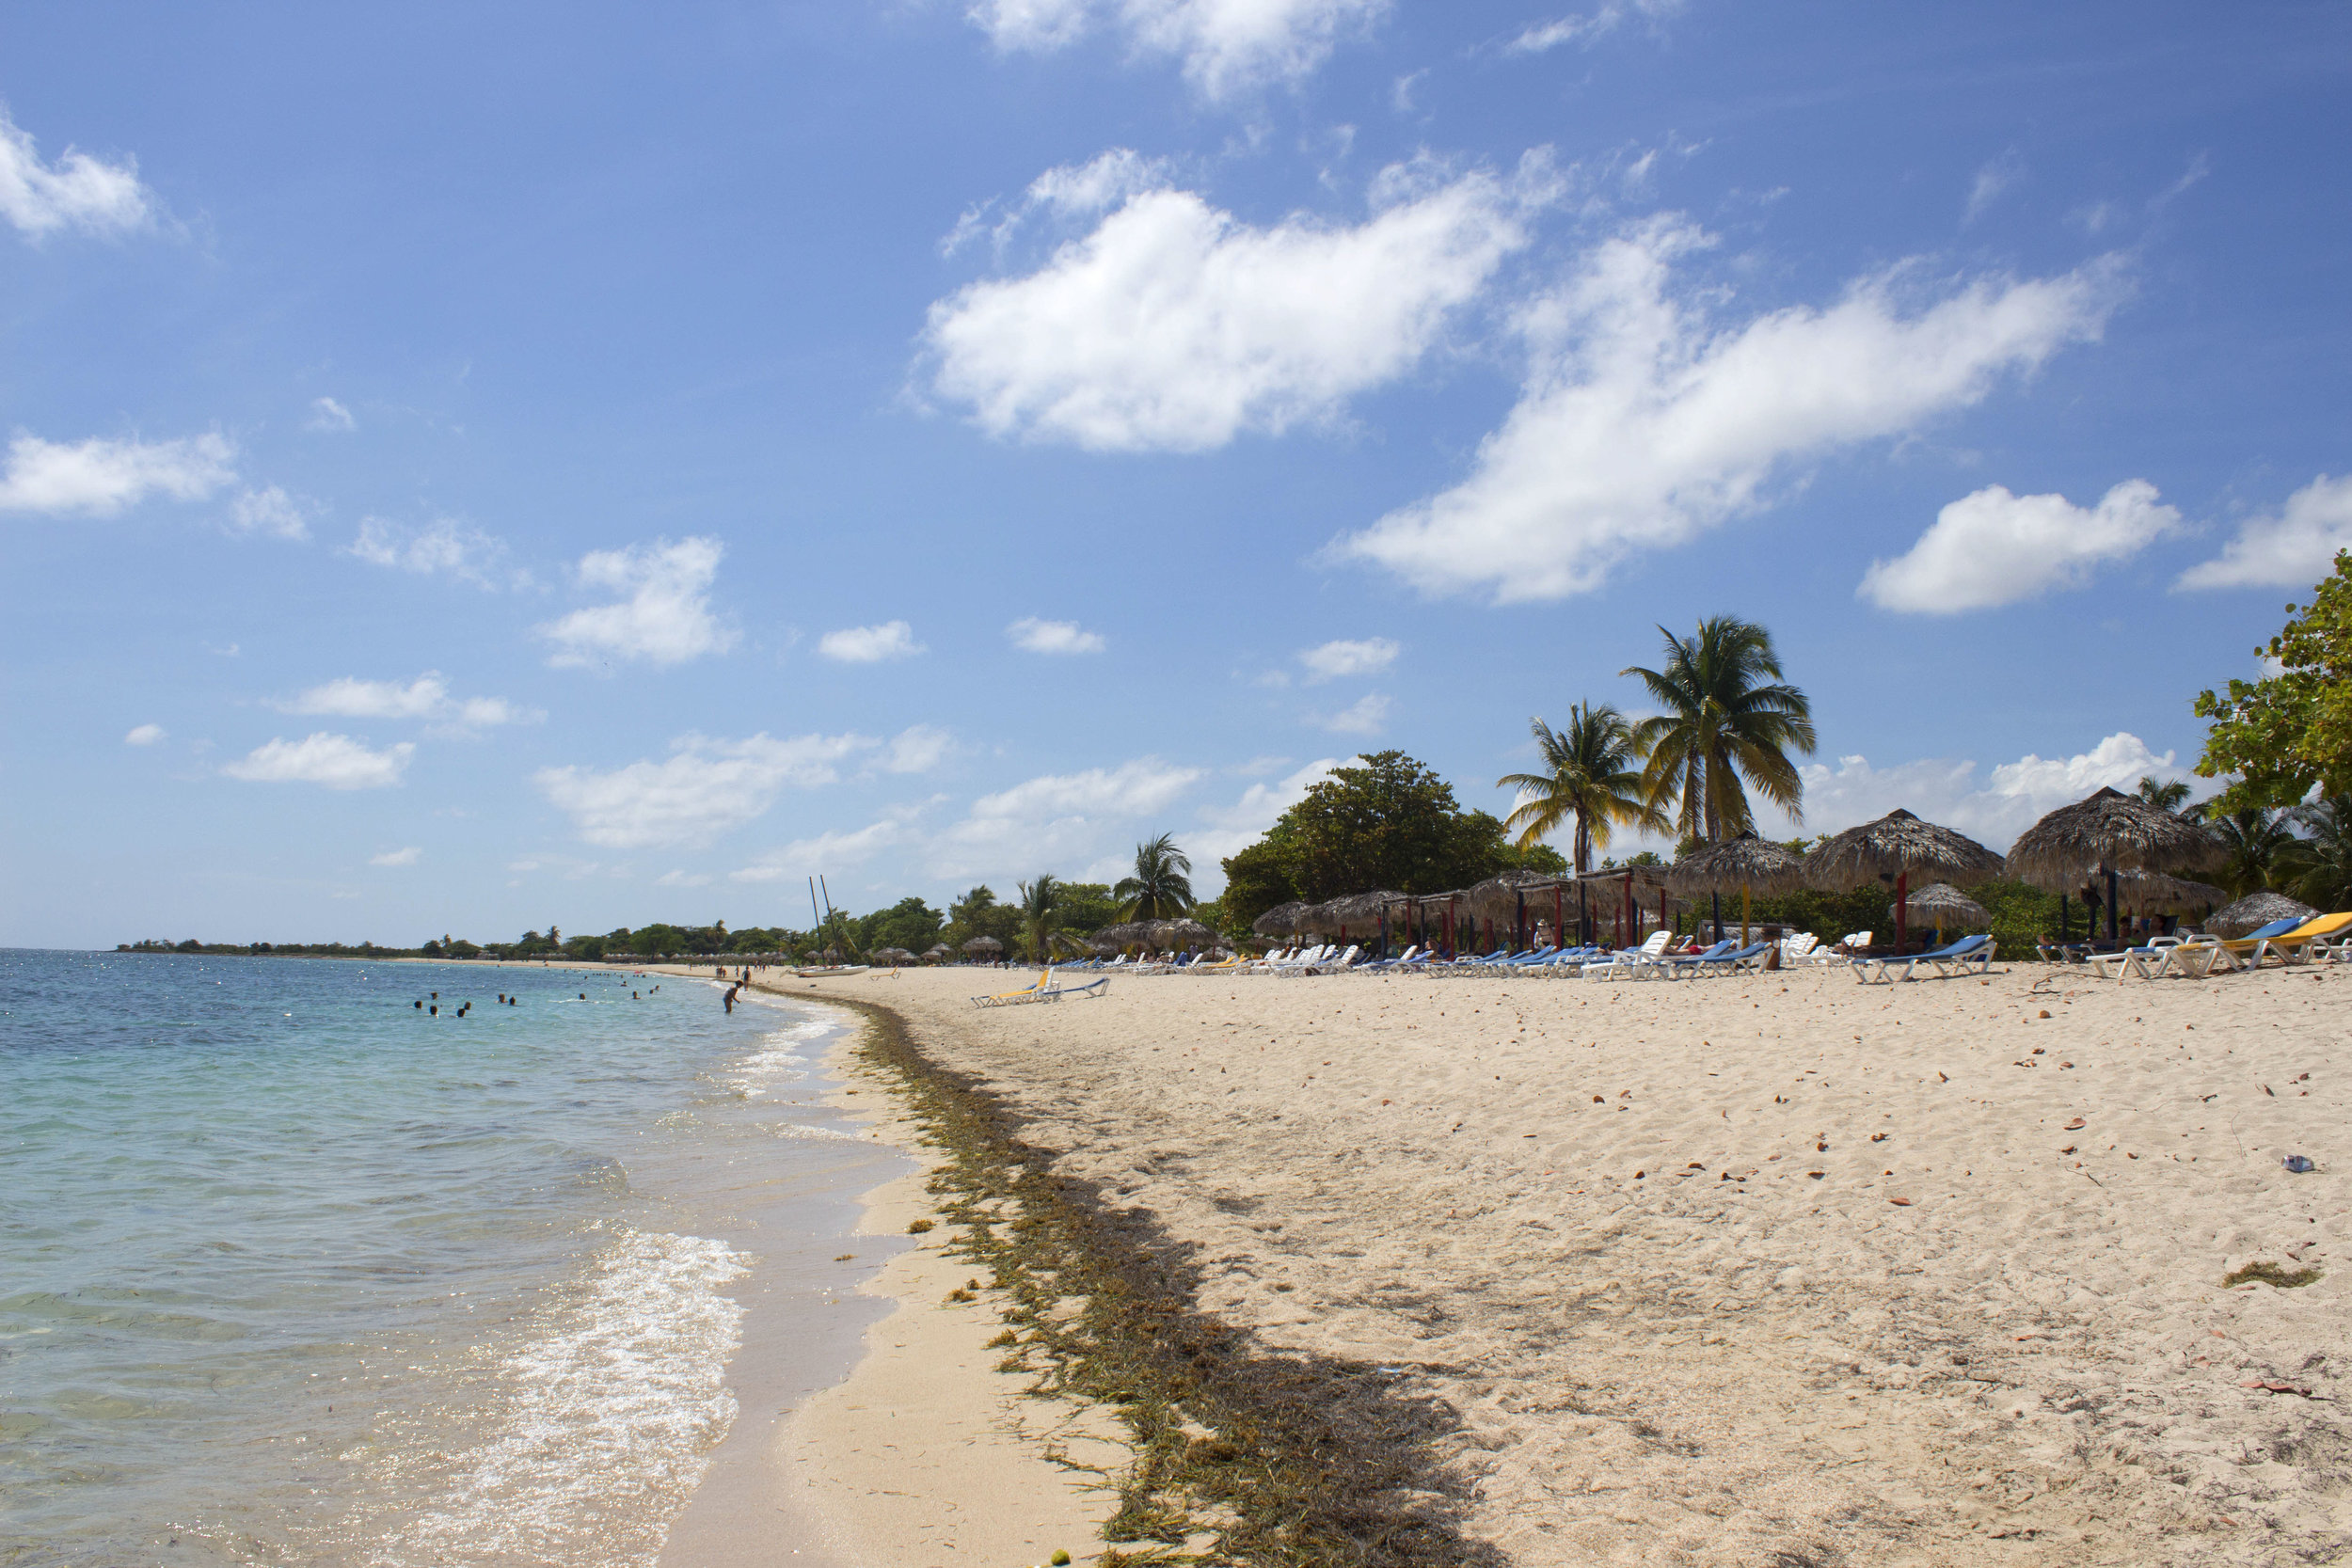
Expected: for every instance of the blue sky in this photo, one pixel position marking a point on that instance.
(468, 469)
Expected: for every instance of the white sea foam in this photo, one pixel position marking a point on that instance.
(782, 1058)
(606, 1422)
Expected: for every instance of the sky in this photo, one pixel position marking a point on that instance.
(470, 469)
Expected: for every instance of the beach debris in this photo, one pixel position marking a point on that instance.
(1639, 1174)
(2269, 1274)
(2271, 1385)
(2076, 1125)
(1816, 1175)
(1900, 1202)
(847, 1258)
(1060, 1559)
(1598, 1101)
(1822, 1147)
(2068, 1149)
(1878, 1137)
(2299, 1163)
(918, 1227)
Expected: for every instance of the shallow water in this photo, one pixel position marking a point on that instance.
(292, 1271)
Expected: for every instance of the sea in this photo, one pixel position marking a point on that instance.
(294, 1269)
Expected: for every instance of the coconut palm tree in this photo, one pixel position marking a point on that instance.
(2167, 796)
(1041, 911)
(1160, 889)
(2262, 845)
(1591, 772)
(1723, 728)
(2319, 868)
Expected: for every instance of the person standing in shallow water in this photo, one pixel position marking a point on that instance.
(729, 998)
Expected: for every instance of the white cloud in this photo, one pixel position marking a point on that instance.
(706, 788)
(869, 645)
(101, 477)
(272, 511)
(1333, 661)
(1227, 46)
(1175, 326)
(336, 760)
(1992, 180)
(426, 697)
(917, 749)
(682, 879)
(1231, 828)
(1058, 819)
(1994, 548)
(1993, 810)
(666, 617)
(1363, 717)
(1053, 637)
(146, 734)
(830, 851)
(76, 192)
(1598, 22)
(443, 546)
(2293, 549)
(327, 414)
(1642, 423)
(409, 856)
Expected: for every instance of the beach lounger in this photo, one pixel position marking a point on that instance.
(1630, 961)
(1855, 944)
(2246, 952)
(1952, 959)
(2296, 945)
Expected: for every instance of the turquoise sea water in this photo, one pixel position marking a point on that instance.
(292, 1271)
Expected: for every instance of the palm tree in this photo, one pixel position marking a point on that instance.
(1723, 728)
(2261, 847)
(1591, 772)
(1041, 911)
(1160, 889)
(2168, 796)
(2319, 868)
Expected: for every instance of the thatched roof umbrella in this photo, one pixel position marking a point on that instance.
(1174, 934)
(1501, 898)
(1279, 921)
(2256, 910)
(1899, 845)
(1750, 863)
(2109, 832)
(1110, 938)
(893, 956)
(1942, 905)
(2156, 893)
(1360, 910)
(983, 947)
(937, 951)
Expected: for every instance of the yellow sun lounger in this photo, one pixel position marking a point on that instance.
(2249, 952)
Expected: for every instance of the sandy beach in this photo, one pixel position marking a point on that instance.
(1781, 1269)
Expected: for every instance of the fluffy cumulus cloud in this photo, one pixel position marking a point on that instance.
(869, 645)
(664, 617)
(916, 749)
(1992, 808)
(1058, 818)
(336, 760)
(1228, 829)
(1031, 635)
(75, 192)
(1225, 46)
(409, 856)
(1175, 326)
(704, 788)
(271, 513)
(831, 851)
(1367, 714)
(1643, 422)
(427, 697)
(444, 546)
(1366, 656)
(2293, 549)
(1993, 549)
(99, 477)
(146, 734)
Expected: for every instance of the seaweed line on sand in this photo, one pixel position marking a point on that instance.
(1298, 1460)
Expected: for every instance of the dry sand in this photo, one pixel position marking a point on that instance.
(1777, 1269)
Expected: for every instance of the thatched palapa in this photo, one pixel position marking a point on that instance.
(2254, 910)
(1497, 899)
(1170, 935)
(1110, 938)
(989, 945)
(2110, 831)
(1946, 908)
(1899, 845)
(1279, 921)
(891, 955)
(937, 951)
(1747, 864)
(2154, 893)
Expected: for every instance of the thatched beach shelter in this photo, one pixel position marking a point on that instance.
(937, 951)
(1358, 913)
(1632, 889)
(2109, 834)
(1170, 935)
(1750, 863)
(1279, 921)
(2254, 909)
(893, 956)
(1944, 907)
(1500, 901)
(2159, 892)
(1897, 847)
(1113, 939)
(984, 947)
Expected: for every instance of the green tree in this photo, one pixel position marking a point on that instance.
(2262, 845)
(1041, 913)
(1088, 905)
(910, 923)
(979, 914)
(1161, 885)
(1257, 878)
(2292, 732)
(1723, 728)
(2165, 795)
(2321, 872)
(1591, 774)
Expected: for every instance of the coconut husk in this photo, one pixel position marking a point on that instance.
(2110, 830)
(2254, 910)
(1944, 907)
(1899, 845)
(1756, 864)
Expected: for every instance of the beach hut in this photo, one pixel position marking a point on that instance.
(1279, 921)
(1357, 912)
(1895, 849)
(2109, 834)
(936, 952)
(1502, 901)
(2255, 909)
(893, 956)
(1750, 863)
(1944, 907)
(986, 949)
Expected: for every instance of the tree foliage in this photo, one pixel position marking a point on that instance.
(2290, 733)
(1160, 887)
(1723, 727)
(1387, 822)
(1591, 773)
